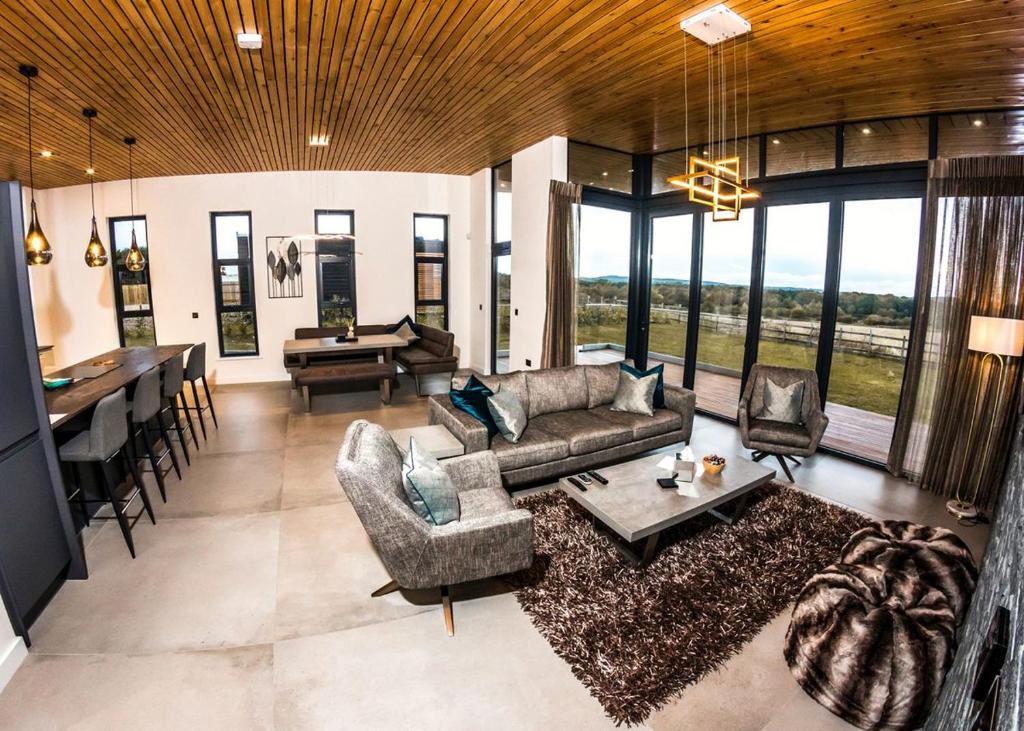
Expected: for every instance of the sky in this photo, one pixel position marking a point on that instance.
(880, 239)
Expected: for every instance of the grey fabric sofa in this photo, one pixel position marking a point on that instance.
(775, 438)
(571, 426)
(491, 537)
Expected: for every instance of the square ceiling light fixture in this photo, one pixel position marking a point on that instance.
(319, 140)
(250, 41)
(716, 24)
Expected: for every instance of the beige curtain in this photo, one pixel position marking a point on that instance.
(559, 347)
(972, 263)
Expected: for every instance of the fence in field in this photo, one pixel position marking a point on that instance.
(885, 342)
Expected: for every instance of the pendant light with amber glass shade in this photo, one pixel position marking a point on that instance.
(37, 248)
(95, 254)
(134, 261)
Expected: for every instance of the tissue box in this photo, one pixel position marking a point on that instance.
(686, 468)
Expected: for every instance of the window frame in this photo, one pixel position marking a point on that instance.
(498, 250)
(352, 259)
(416, 256)
(218, 294)
(115, 268)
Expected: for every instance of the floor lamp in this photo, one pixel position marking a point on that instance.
(998, 338)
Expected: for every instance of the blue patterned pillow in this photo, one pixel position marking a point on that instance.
(659, 390)
(472, 399)
(429, 488)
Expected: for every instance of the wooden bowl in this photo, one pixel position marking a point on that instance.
(712, 469)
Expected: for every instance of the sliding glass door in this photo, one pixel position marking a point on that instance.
(724, 300)
(795, 250)
(602, 285)
(501, 266)
(876, 304)
(669, 310)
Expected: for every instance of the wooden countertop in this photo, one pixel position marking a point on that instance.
(72, 400)
(330, 345)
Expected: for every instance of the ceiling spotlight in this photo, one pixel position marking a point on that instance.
(866, 130)
(978, 122)
(604, 174)
(776, 141)
(319, 140)
(90, 171)
(46, 153)
(250, 41)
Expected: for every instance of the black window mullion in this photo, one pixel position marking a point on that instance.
(117, 270)
(693, 315)
(426, 258)
(755, 298)
(245, 270)
(830, 295)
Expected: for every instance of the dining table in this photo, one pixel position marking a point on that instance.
(382, 345)
(101, 376)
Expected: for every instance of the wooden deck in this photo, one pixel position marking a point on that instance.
(851, 430)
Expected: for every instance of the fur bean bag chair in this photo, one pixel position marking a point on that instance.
(870, 645)
(936, 555)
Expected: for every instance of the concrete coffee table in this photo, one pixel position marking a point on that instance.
(636, 510)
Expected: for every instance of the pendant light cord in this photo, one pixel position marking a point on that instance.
(131, 185)
(31, 175)
(92, 175)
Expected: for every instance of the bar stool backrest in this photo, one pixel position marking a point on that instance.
(196, 366)
(146, 401)
(108, 431)
(174, 376)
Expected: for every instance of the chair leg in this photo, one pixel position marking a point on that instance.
(449, 620)
(198, 408)
(388, 588)
(785, 467)
(133, 468)
(109, 485)
(757, 456)
(416, 377)
(173, 404)
(209, 400)
(167, 441)
(76, 471)
(188, 417)
(151, 452)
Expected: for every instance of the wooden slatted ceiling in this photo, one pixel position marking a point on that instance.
(454, 86)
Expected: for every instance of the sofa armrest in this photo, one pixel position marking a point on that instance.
(463, 427)
(474, 471)
(490, 545)
(816, 425)
(683, 401)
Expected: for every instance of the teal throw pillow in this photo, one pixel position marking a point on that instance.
(472, 398)
(430, 490)
(508, 414)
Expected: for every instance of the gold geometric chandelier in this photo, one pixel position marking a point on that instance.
(714, 179)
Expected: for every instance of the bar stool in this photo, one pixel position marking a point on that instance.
(173, 390)
(195, 370)
(145, 405)
(104, 440)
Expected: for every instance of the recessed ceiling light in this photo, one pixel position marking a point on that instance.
(90, 171)
(319, 140)
(250, 41)
(776, 141)
(604, 174)
(978, 122)
(866, 130)
(716, 24)
(46, 153)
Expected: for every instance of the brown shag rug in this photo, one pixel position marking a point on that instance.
(635, 637)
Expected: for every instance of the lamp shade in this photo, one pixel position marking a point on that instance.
(997, 335)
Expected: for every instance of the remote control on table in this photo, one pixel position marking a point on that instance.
(577, 483)
(598, 476)
(582, 477)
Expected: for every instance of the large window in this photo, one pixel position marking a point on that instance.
(501, 266)
(671, 247)
(602, 286)
(430, 246)
(133, 296)
(335, 268)
(795, 250)
(233, 287)
(875, 308)
(724, 302)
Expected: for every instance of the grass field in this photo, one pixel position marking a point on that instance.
(864, 382)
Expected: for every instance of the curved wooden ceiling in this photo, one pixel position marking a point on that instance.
(453, 87)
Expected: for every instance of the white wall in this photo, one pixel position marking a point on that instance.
(532, 171)
(75, 304)
(480, 271)
(12, 649)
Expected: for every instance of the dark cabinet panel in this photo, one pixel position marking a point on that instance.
(33, 547)
(19, 417)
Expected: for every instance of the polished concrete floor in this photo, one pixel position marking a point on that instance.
(249, 606)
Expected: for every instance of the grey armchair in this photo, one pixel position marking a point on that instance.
(491, 538)
(776, 438)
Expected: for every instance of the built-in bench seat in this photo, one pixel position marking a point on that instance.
(319, 379)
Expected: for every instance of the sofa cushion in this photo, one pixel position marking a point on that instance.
(556, 389)
(508, 414)
(584, 431)
(473, 400)
(483, 502)
(408, 322)
(514, 382)
(779, 433)
(659, 389)
(415, 355)
(782, 403)
(601, 383)
(430, 490)
(635, 395)
(535, 447)
(663, 421)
